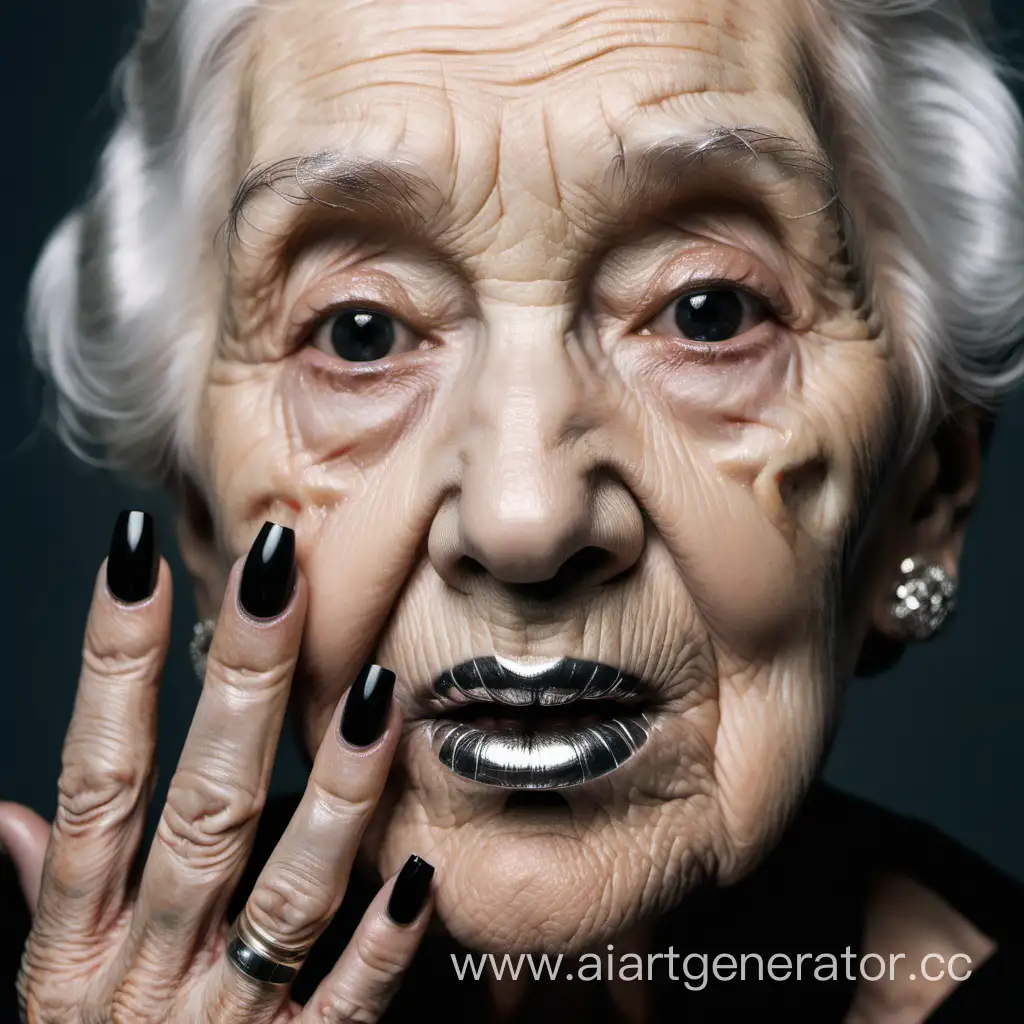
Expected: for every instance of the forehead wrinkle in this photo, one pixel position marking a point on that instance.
(647, 180)
(536, 46)
(440, 39)
(737, 164)
(660, 173)
(716, 73)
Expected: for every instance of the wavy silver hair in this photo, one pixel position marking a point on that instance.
(913, 106)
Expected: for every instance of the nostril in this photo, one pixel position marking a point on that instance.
(578, 569)
(468, 566)
(584, 565)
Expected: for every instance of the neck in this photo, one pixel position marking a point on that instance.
(905, 924)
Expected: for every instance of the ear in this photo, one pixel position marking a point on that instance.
(928, 517)
(197, 541)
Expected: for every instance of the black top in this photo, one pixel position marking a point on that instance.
(807, 898)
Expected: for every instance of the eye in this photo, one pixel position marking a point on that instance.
(711, 314)
(362, 335)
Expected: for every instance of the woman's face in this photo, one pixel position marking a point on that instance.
(531, 383)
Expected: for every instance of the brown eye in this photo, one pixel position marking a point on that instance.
(713, 314)
(362, 335)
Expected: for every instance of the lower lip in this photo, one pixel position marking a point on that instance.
(552, 759)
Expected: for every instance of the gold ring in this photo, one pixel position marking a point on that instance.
(258, 957)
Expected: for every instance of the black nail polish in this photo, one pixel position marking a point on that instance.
(268, 578)
(133, 561)
(410, 891)
(366, 710)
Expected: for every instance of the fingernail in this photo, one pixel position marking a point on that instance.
(410, 891)
(366, 709)
(133, 560)
(268, 578)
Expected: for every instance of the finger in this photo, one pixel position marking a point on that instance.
(25, 834)
(218, 791)
(366, 977)
(108, 753)
(303, 882)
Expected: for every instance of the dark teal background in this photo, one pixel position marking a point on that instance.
(940, 736)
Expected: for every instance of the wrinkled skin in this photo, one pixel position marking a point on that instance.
(539, 401)
(689, 507)
(544, 460)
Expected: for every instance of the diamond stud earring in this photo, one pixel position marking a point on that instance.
(923, 599)
(199, 645)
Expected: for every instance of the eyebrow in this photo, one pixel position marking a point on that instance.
(400, 193)
(390, 190)
(667, 165)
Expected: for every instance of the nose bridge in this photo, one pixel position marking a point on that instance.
(523, 506)
(525, 391)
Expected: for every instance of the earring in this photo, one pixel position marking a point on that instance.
(923, 599)
(199, 645)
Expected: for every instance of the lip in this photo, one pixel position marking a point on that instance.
(549, 758)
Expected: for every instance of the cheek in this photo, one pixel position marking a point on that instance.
(348, 418)
(752, 470)
(748, 473)
(298, 440)
(337, 453)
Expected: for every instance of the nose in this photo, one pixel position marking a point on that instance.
(538, 509)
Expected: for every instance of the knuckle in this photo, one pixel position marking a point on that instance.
(242, 684)
(340, 806)
(36, 1010)
(43, 999)
(291, 904)
(29, 1003)
(381, 962)
(103, 787)
(141, 998)
(339, 1004)
(112, 662)
(228, 1003)
(361, 993)
(205, 818)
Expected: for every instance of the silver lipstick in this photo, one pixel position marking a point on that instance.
(550, 758)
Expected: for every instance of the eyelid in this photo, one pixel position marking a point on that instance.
(303, 334)
(755, 285)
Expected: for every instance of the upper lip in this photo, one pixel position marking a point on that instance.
(552, 683)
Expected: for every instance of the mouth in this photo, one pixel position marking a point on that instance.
(539, 726)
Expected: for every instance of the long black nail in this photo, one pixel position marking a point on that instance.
(268, 578)
(133, 560)
(366, 710)
(410, 891)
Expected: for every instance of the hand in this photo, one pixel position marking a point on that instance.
(105, 948)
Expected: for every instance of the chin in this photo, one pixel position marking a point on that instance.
(559, 870)
(529, 879)
(560, 815)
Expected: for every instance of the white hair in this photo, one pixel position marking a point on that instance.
(924, 131)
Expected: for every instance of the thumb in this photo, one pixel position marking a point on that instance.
(25, 835)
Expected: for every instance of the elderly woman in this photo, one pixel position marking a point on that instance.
(563, 400)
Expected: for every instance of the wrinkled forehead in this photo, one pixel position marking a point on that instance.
(539, 92)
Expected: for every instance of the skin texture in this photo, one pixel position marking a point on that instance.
(540, 403)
